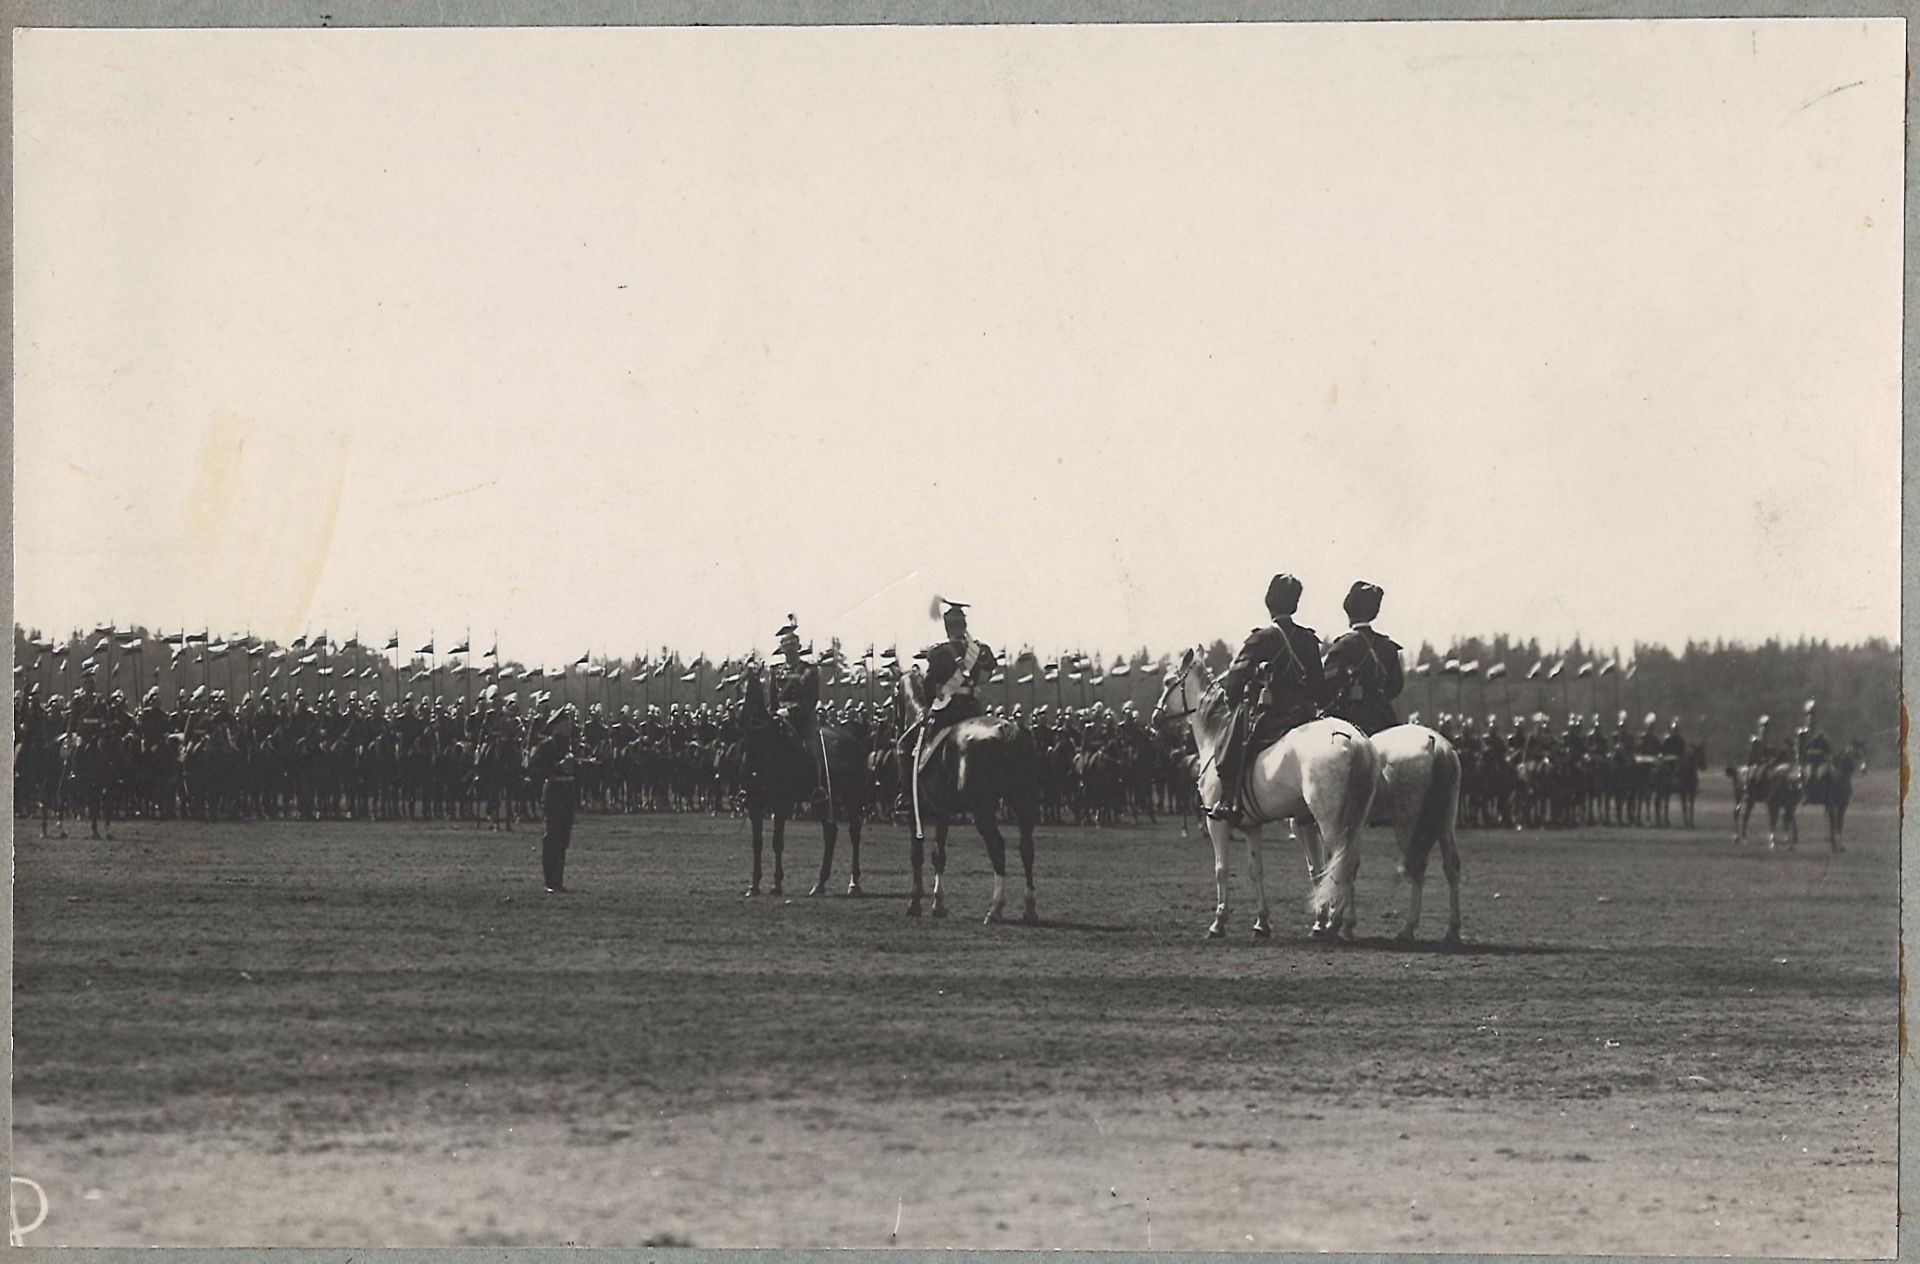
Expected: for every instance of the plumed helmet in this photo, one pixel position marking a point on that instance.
(1812, 706)
(1651, 720)
(1363, 601)
(1283, 595)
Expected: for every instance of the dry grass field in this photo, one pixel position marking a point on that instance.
(360, 1034)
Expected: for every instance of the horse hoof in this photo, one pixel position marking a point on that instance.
(775, 890)
(939, 910)
(819, 888)
(853, 888)
(753, 891)
(1452, 939)
(1031, 914)
(913, 909)
(1216, 931)
(1403, 936)
(993, 918)
(1262, 931)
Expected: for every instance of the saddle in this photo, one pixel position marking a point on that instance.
(942, 770)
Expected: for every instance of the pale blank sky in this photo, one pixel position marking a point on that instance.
(610, 338)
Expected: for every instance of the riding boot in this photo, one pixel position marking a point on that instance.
(904, 805)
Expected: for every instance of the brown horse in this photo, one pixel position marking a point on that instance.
(988, 762)
(1831, 786)
(779, 769)
(1779, 787)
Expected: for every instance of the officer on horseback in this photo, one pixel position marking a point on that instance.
(796, 685)
(1810, 745)
(1759, 751)
(1284, 658)
(1362, 666)
(956, 668)
(1674, 744)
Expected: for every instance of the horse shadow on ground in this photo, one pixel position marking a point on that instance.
(1055, 923)
(1432, 947)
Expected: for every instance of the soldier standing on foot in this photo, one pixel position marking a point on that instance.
(554, 763)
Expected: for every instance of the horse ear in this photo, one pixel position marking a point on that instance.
(1186, 659)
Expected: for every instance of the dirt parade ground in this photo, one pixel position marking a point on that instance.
(357, 1034)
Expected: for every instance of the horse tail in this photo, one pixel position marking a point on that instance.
(1433, 822)
(1363, 777)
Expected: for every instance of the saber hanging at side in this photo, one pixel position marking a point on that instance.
(826, 769)
(919, 746)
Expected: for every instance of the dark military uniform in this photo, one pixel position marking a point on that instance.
(1287, 657)
(1811, 745)
(1284, 658)
(954, 672)
(796, 691)
(1364, 676)
(553, 763)
(946, 663)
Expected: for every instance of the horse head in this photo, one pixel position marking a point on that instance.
(751, 703)
(911, 689)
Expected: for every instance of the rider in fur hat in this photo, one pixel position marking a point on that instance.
(1363, 669)
(1284, 658)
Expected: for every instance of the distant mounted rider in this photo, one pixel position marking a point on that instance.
(1674, 744)
(1362, 666)
(1760, 753)
(1281, 659)
(1810, 746)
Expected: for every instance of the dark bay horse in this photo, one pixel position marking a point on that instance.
(1779, 787)
(987, 762)
(780, 770)
(1831, 786)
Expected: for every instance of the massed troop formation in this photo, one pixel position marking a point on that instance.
(345, 755)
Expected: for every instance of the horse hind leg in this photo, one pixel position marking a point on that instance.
(854, 820)
(939, 868)
(1030, 913)
(919, 856)
(983, 818)
(831, 830)
(779, 854)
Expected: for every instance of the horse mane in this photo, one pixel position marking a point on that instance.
(913, 690)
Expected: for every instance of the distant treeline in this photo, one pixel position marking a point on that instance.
(1718, 689)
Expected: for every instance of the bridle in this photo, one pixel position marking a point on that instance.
(1186, 704)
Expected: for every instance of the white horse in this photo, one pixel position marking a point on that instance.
(1419, 795)
(1322, 774)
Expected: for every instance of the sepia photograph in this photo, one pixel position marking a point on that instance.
(1263, 636)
